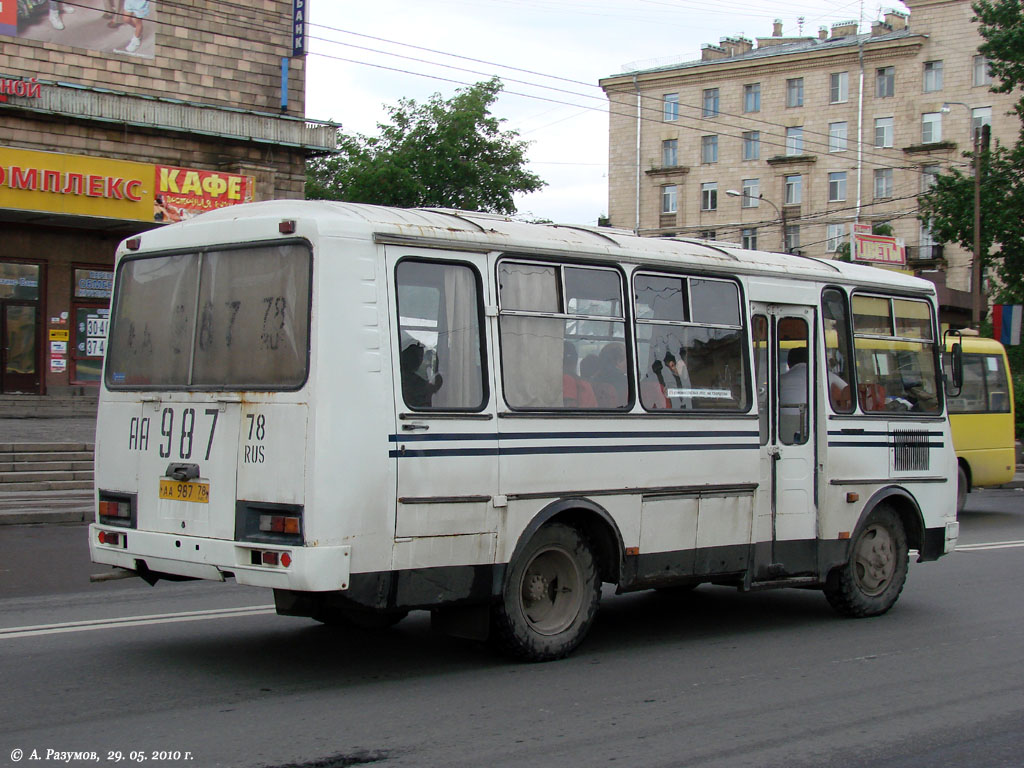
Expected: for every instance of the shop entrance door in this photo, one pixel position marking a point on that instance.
(19, 347)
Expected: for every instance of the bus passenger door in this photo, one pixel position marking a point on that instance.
(786, 519)
(445, 443)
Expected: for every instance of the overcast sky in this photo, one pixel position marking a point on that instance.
(550, 54)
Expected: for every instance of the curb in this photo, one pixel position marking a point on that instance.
(41, 516)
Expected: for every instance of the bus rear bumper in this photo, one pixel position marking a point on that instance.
(305, 569)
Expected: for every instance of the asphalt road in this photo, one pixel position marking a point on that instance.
(717, 678)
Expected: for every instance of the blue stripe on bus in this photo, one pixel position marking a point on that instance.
(564, 449)
(922, 444)
(565, 435)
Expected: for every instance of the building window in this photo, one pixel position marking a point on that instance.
(926, 242)
(669, 198)
(707, 234)
(795, 92)
(792, 237)
(751, 193)
(980, 116)
(885, 82)
(931, 127)
(709, 196)
(982, 73)
(928, 175)
(751, 145)
(835, 234)
(710, 102)
(795, 140)
(749, 238)
(752, 97)
(883, 182)
(671, 107)
(709, 149)
(838, 87)
(670, 153)
(836, 186)
(932, 76)
(883, 132)
(837, 137)
(794, 189)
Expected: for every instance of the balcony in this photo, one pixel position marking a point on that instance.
(924, 256)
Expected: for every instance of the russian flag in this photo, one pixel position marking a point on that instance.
(1006, 323)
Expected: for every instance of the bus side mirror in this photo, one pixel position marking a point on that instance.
(957, 365)
(955, 375)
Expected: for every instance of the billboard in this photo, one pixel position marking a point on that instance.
(126, 27)
(119, 189)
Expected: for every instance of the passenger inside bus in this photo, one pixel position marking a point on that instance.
(610, 381)
(418, 392)
(576, 393)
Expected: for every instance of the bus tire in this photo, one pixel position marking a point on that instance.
(962, 486)
(550, 596)
(871, 579)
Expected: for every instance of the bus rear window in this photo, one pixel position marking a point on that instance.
(231, 319)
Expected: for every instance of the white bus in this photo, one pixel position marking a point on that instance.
(373, 410)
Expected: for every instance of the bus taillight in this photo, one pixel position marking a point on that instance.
(280, 524)
(117, 509)
(112, 539)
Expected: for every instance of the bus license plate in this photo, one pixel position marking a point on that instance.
(183, 491)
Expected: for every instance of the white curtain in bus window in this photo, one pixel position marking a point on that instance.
(153, 322)
(439, 336)
(253, 318)
(531, 347)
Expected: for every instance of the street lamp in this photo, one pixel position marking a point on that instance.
(981, 138)
(780, 211)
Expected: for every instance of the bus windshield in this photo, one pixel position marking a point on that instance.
(229, 319)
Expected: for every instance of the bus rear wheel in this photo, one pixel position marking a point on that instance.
(550, 596)
(873, 576)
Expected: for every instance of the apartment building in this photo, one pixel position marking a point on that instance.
(786, 142)
(112, 123)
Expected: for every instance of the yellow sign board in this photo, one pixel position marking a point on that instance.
(117, 189)
(58, 335)
(75, 184)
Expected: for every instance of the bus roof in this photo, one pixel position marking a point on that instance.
(976, 344)
(466, 230)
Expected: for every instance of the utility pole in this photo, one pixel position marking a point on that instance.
(978, 302)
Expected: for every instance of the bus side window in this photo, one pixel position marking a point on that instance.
(836, 319)
(439, 336)
(563, 336)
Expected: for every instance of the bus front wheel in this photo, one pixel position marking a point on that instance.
(550, 596)
(871, 579)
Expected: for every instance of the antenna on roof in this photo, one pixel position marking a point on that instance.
(800, 26)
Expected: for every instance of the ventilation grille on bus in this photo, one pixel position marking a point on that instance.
(910, 450)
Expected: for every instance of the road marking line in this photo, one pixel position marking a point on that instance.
(989, 545)
(132, 621)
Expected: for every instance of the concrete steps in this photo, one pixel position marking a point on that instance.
(51, 478)
(49, 406)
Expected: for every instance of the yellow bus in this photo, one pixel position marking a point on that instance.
(981, 416)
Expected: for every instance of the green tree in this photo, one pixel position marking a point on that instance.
(948, 207)
(442, 153)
